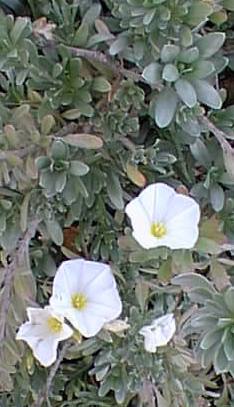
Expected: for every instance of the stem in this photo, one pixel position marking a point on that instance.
(10, 271)
(44, 395)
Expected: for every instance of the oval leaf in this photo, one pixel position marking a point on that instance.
(210, 43)
(186, 92)
(207, 94)
(88, 141)
(165, 107)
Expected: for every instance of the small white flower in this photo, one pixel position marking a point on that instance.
(85, 293)
(162, 217)
(159, 333)
(44, 330)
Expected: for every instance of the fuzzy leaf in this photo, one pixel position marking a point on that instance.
(210, 43)
(165, 107)
(207, 94)
(87, 141)
(186, 92)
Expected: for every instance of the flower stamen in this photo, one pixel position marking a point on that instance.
(158, 230)
(54, 325)
(79, 301)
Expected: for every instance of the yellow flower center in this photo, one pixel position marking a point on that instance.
(79, 301)
(158, 230)
(54, 324)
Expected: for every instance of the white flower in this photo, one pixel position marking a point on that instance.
(162, 217)
(85, 293)
(159, 333)
(44, 330)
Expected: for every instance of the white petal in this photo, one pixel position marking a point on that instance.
(66, 282)
(36, 315)
(102, 279)
(183, 209)
(145, 330)
(149, 343)
(182, 223)
(68, 278)
(46, 351)
(140, 220)
(29, 331)
(108, 309)
(182, 238)
(156, 199)
(148, 241)
(86, 323)
(164, 329)
(66, 333)
(163, 320)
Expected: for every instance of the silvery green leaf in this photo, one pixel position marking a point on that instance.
(202, 69)
(186, 36)
(78, 168)
(201, 153)
(191, 126)
(190, 281)
(228, 345)
(220, 360)
(55, 231)
(92, 14)
(118, 45)
(217, 197)
(211, 338)
(58, 150)
(165, 107)
(101, 84)
(170, 73)
(198, 13)
(188, 55)
(220, 63)
(114, 191)
(152, 73)
(186, 92)
(207, 94)
(229, 299)
(210, 43)
(169, 52)
(60, 179)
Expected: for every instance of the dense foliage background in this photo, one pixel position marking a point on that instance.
(97, 100)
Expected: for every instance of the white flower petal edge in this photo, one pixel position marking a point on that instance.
(162, 217)
(85, 293)
(159, 333)
(44, 330)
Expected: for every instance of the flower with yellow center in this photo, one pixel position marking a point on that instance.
(85, 293)
(79, 301)
(43, 332)
(162, 217)
(158, 230)
(54, 324)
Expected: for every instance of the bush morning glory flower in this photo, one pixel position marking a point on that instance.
(44, 330)
(159, 333)
(85, 293)
(162, 217)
